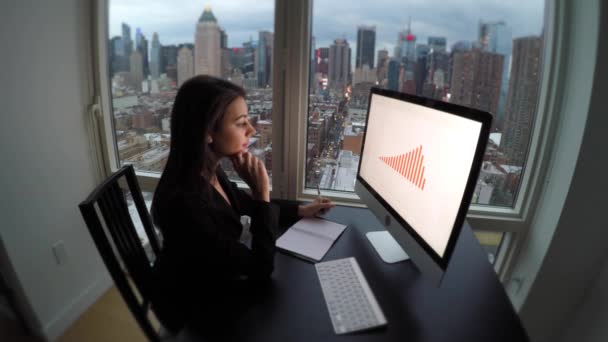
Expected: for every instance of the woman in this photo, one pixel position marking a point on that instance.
(204, 272)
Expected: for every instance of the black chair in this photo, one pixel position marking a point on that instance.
(112, 204)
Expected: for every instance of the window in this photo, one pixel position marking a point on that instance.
(155, 47)
(312, 65)
(487, 56)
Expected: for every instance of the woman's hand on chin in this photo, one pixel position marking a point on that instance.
(253, 172)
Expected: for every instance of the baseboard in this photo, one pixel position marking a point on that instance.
(55, 328)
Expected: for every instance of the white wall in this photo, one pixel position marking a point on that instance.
(567, 245)
(46, 170)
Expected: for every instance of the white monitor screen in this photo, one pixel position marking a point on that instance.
(418, 159)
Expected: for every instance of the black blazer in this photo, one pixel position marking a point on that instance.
(204, 271)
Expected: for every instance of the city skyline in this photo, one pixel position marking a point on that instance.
(472, 74)
(175, 24)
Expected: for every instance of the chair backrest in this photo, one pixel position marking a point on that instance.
(119, 226)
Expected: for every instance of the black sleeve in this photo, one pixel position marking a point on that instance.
(202, 238)
(283, 213)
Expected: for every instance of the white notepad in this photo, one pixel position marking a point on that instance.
(310, 238)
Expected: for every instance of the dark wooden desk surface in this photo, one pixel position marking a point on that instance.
(470, 304)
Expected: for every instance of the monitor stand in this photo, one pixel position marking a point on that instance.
(387, 247)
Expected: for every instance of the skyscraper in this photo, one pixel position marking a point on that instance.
(207, 42)
(459, 46)
(421, 67)
(437, 43)
(405, 49)
(155, 57)
(438, 65)
(339, 65)
(366, 46)
(127, 43)
(185, 65)
(522, 98)
(168, 57)
(223, 39)
(263, 60)
(393, 74)
(136, 69)
(476, 78)
(313, 63)
(118, 60)
(322, 66)
(382, 67)
(496, 37)
(141, 45)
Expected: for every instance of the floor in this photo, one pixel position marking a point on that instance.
(108, 319)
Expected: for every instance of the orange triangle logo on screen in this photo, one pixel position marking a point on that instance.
(409, 165)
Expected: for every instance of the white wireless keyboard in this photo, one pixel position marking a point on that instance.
(350, 302)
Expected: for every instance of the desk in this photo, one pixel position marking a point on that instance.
(470, 305)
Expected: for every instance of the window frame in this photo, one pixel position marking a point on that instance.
(292, 35)
(149, 180)
(514, 222)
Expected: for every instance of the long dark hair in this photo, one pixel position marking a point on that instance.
(199, 108)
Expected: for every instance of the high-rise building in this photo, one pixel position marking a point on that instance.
(421, 67)
(438, 43)
(118, 60)
(364, 74)
(207, 43)
(223, 39)
(185, 65)
(476, 79)
(393, 74)
(312, 66)
(137, 69)
(141, 45)
(263, 60)
(127, 42)
(459, 46)
(168, 57)
(382, 67)
(248, 67)
(522, 98)
(339, 65)
(366, 46)
(436, 83)
(496, 37)
(405, 50)
(155, 57)
(322, 65)
(265, 131)
(382, 58)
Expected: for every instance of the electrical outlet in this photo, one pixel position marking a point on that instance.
(60, 253)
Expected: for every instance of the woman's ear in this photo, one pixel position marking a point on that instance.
(209, 138)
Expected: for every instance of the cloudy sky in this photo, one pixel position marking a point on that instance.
(456, 20)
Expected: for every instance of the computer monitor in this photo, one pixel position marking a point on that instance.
(419, 163)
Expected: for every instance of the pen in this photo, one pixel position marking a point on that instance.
(322, 211)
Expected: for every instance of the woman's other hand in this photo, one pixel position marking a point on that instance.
(318, 207)
(253, 172)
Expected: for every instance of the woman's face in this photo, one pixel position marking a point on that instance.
(234, 130)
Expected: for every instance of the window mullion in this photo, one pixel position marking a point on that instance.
(104, 86)
(298, 19)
